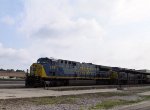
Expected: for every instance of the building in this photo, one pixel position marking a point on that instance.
(11, 75)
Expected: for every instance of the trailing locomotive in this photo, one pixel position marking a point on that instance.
(64, 72)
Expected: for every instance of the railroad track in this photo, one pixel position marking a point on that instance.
(12, 83)
(63, 88)
(21, 84)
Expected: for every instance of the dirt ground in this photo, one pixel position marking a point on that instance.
(40, 92)
(97, 99)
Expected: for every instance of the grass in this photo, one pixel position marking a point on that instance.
(40, 101)
(102, 94)
(71, 99)
(112, 103)
(145, 98)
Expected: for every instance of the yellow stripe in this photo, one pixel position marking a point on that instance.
(62, 77)
(43, 74)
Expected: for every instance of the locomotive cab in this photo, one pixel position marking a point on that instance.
(37, 73)
(37, 70)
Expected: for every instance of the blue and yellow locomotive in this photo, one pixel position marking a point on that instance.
(64, 72)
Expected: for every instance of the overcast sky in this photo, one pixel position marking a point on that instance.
(105, 32)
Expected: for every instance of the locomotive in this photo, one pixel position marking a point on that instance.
(64, 72)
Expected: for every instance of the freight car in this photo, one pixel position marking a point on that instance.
(64, 72)
(131, 76)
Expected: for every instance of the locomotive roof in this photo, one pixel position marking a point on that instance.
(119, 69)
(133, 71)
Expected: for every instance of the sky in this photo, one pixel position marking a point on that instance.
(105, 32)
